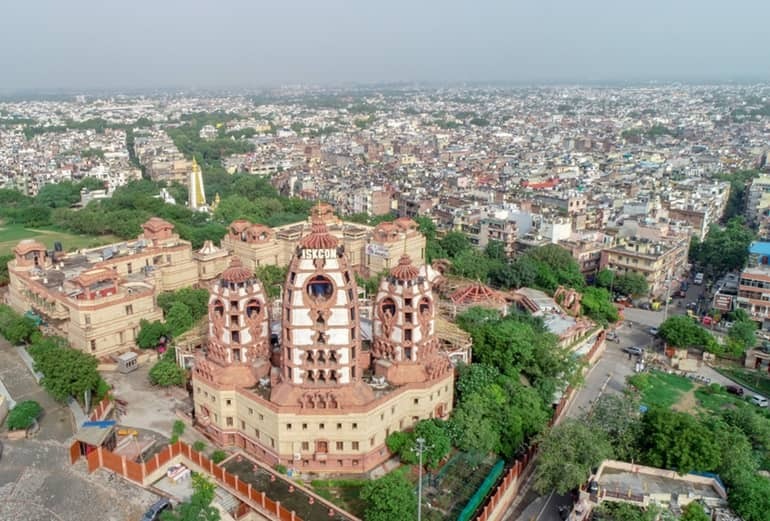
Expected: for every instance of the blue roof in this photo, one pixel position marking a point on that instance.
(759, 248)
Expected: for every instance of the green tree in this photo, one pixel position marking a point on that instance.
(750, 498)
(675, 440)
(166, 372)
(567, 454)
(682, 331)
(605, 279)
(744, 334)
(495, 250)
(150, 333)
(555, 266)
(694, 512)
(597, 304)
(618, 418)
(632, 284)
(272, 277)
(454, 243)
(23, 415)
(179, 318)
(724, 249)
(389, 498)
(4, 260)
(66, 372)
(198, 507)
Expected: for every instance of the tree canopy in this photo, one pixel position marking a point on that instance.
(724, 249)
(567, 454)
(66, 372)
(389, 497)
(682, 331)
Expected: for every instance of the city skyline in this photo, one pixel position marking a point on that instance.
(83, 45)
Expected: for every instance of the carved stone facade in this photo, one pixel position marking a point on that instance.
(329, 402)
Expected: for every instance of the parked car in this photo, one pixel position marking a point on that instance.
(153, 513)
(734, 389)
(612, 336)
(634, 350)
(698, 279)
(759, 401)
(593, 486)
(653, 331)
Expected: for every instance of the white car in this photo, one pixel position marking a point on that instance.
(698, 278)
(759, 401)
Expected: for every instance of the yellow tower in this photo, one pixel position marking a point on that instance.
(197, 198)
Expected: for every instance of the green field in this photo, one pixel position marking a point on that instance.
(11, 235)
(660, 389)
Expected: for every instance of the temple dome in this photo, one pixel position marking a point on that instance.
(236, 272)
(319, 237)
(405, 270)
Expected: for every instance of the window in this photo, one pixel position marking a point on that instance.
(236, 355)
(304, 426)
(305, 446)
(355, 445)
(408, 317)
(233, 320)
(321, 426)
(129, 268)
(87, 318)
(243, 425)
(355, 426)
(355, 462)
(253, 308)
(393, 410)
(339, 462)
(288, 426)
(251, 411)
(340, 445)
(371, 441)
(382, 416)
(234, 305)
(235, 336)
(272, 442)
(416, 401)
(130, 309)
(388, 307)
(121, 337)
(408, 302)
(320, 288)
(261, 417)
(339, 426)
(229, 421)
(408, 335)
(228, 401)
(93, 345)
(256, 433)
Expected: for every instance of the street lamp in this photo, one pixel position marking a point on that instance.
(419, 449)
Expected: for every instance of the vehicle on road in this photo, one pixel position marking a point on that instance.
(734, 389)
(593, 486)
(612, 336)
(153, 513)
(698, 280)
(653, 331)
(759, 401)
(633, 350)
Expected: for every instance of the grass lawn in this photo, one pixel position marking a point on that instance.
(715, 399)
(12, 234)
(755, 380)
(345, 493)
(660, 389)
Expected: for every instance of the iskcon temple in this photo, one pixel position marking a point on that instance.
(320, 387)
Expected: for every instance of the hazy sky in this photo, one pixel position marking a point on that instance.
(210, 43)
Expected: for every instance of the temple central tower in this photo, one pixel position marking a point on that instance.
(320, 337)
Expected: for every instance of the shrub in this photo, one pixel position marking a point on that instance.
(280, 468)
(199, 446)
(23, 415)
(218, 456)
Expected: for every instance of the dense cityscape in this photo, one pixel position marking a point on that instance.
(387, 303)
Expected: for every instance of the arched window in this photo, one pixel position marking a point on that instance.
(320, 288)
(253, 308)
(425, 306)
(388, 307)
(219, 308)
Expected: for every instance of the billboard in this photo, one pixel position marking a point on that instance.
(377, 250)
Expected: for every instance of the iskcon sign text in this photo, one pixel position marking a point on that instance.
(318, 253)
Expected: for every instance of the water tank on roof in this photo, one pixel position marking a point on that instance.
(108, 253)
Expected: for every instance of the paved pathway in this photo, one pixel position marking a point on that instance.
(56, 422)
